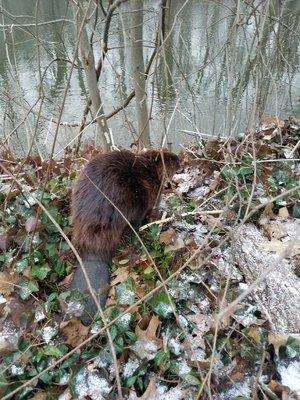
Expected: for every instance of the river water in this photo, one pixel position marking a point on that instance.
(224, 64)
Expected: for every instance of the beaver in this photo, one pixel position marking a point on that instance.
(112, 188)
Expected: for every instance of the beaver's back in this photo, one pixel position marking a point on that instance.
(117, 179)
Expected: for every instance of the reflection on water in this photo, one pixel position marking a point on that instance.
(223, 65)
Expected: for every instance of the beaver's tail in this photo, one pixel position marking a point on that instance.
(98, 274)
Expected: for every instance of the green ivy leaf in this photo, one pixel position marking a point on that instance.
(130, 381)
(52, 351)
(123, 323)
(40, 271)
(123, 262)
(161, 304)
(126, 292)
(191, 379)
(244, 171)
(27, 287)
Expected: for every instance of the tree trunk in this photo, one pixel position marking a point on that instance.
(137, 60)
(88, 62)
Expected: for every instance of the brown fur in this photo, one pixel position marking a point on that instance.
(113, 186)
(131, 182)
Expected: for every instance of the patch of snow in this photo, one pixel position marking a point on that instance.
(9, 337)
(174, 346)
(172, 394)
(197, 355)
(237, 389)
(145, 349)
(183, 321)
(74, 307)
(125, 296)
(91, 384)
(125, 319)
(104, 359)
(183, 368)
(130, 367)
(48, 333)
(201, 191)
(17, 370)
(182, 291)
(39, 314)
(246, 316)
(290, 375)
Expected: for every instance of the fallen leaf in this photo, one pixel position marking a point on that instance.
(121, 274)
(40, 396)
(279, 390)
(31, 224)
(226, 319)
(283, 213)
(203, 323)
(212, 221)
(67, 281)
(151, 393)
(215, 181)
(267, 213)
(272, 120)
(277, 340)
(239, 370)
(274, 230)
(5, 241)
(149, 333)
(9, 191)
(254, 334)
(22, 313)
(168, 237)
(74, 332)
(7, 282)
(177, 245)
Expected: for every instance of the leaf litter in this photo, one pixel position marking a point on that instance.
(162, 355)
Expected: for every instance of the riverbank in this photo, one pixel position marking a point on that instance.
(209, 309)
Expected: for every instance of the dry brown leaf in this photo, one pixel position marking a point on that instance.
(267, 213)
(278, 389)
(212, 221)
(67, 281)
(277, 340)
(274, 230)
(272, 120)
(283, 213)
(150, 332)
(121, 274)
(226, 319)
(215, 181)
(152, 394)
(203, 323)
(168, 237)
(177, 245)
(40, 396)
(74, 332)
(7, 282)
(22, 312)
(254, 334)
(240, 369)
(9, 191)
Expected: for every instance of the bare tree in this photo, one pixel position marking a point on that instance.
(88, 61)
(137, 60)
